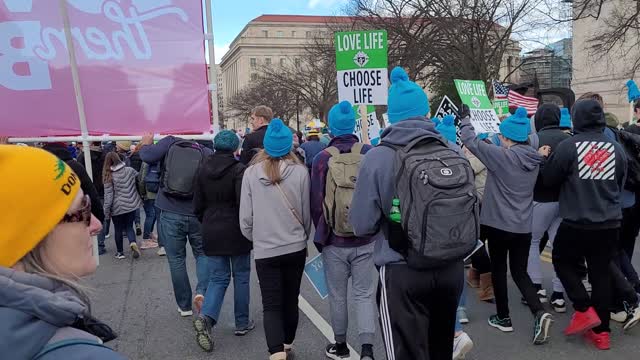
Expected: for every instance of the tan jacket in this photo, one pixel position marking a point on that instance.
(479, 170)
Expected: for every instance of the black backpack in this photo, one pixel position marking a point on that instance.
(438, 202)
(629, 142)
(180, 167)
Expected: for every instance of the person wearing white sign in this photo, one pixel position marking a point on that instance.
(507, 212)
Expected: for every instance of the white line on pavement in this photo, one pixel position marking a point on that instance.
(321, 323)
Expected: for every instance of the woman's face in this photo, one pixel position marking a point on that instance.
(68, 250)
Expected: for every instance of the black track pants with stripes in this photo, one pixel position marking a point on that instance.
(418, 310)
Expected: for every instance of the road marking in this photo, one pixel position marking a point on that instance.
(321, 323)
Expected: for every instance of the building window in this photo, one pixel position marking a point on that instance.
(297, 61)
(265, 33)
(254, 77)
(282, 60)
(308, 34)
(293, 34)
(279, 34)
(267, 61)
(254, 63)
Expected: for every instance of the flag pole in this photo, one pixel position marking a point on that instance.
(213, 72)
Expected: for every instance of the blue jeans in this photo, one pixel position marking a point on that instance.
(157, 216)
(149, 218)
(137, 218)
(220, 270)
(462, 304)
(174, 230)
(123, 224)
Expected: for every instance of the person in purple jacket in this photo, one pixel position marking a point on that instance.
(343, 256)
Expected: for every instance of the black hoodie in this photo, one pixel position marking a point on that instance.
(590, 170)
(216, 202)
(550, 133)
(86, 184)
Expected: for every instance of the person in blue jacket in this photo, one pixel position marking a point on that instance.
(44, 314)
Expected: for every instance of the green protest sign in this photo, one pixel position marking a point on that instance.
(373, 127)
(361, 63)
(473, 93)
(501, 106)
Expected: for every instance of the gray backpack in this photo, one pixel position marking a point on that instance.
(438, 203)
(180, 166)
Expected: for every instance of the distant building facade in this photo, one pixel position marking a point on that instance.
(550, 67)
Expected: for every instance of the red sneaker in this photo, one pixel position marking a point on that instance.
(582, 321)
(601, 341)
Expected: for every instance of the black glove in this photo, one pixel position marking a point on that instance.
(463, 111)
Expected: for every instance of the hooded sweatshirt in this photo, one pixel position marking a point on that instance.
(375, 187)
(551, 134)
(267, 219)
(34, 309)
(511, 175)
(590, 170)
(121, 195)
(216, 202)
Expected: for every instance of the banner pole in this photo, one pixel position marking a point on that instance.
(213, 72)
(80, 104)
(364, 125)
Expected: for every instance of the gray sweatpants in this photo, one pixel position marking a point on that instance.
(546, 218)
(357, 263)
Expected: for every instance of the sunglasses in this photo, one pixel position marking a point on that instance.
(82, 215)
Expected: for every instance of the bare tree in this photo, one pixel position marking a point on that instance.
(264, 92)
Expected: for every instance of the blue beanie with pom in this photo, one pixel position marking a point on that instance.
(517, 126)
(342, 119)
(447, 129)
(633, 93)
(278, 140)
(226, 140)
(406, 98)
(565, 118)
(436, 121)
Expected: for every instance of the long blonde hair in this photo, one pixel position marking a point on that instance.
(33, 264)
(272, 165)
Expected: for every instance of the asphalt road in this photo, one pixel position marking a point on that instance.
(135, 297)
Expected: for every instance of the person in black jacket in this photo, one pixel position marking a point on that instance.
(97, 163)
(589, 169)
(260, 118)
(60, 150)
(545, 206)
(216, 202)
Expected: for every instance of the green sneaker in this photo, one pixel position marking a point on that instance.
(203, 333)
(541, 328)
(503, 325)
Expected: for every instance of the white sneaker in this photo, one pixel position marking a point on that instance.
(587, 285)
(162, 252)
(620, 316)
(462, 345)
(542, 295)
(185, 313)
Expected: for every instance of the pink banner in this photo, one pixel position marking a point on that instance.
(141, 67)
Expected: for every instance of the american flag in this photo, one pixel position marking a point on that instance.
(529, 103)
(500, 91)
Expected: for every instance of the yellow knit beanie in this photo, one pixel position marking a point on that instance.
(36, 190)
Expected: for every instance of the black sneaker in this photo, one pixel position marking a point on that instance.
(558, 303)
(203, 333)
(367, 352)
(503, 325)
(120, 256)
(337, 351)
(541, 328)
(633, 316)
(138, 230)
(245, 331)
(102, 251)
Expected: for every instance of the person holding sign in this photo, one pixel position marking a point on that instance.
(507, 212)
(417, 306)
(333, 177)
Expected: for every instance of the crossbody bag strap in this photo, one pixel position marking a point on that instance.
(293, 210)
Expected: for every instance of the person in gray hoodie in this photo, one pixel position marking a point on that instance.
(506, 214)
(44, 314)
(275, 216)
(411, 302)
(121, 200)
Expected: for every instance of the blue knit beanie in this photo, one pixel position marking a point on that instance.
(633, 93)
(406, 98)
(226, 140)
(342, 119)
(278, 139)
(565, 118)
(517, 126)
(447, 129)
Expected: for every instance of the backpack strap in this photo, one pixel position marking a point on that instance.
(390, 146)
(334, 151)
(424, 138)
(357, 148)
